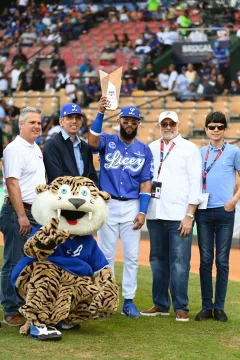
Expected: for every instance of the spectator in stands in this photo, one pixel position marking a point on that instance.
(22, 80)
(92, 91)
(113, 15)
(28, 37)
(170, 13)
(22, 5)
(215, 26)
(191, 73)
(13, 113)
(149, 78)
(207, 90)
(190, 94)
(131, 72)
(89, 72)
(184, 22)
(62, 79)
(14, 76)
(221, 87)
(39, 26)
(20, 56)
(223, 59)
(173, 74)
(53, 127)
(3, 84)
(182, 83)
(83, 67)
(66, 31)
(4, 49)
(46, 20)
(71, 90)
(58, 64)
(163, 78)
(107, 57)
(125, 89)
(211, 60)
(132, 85)
(204, 70)
(235, 88)
(38, 80)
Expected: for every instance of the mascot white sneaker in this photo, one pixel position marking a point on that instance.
(64, 277)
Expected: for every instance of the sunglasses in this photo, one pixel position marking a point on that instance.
(166, 124)
(213, 127)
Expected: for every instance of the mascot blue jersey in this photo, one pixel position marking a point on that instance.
(123, 166)
(80, 256)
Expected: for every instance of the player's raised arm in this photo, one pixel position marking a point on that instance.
(96, 128)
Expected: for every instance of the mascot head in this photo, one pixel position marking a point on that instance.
(81, 208)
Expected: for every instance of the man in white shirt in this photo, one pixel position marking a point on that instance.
(176, 192)
(23, 170)
(173, 74)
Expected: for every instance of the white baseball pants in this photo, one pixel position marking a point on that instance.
(120, 224)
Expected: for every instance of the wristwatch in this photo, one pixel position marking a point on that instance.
(190, 215)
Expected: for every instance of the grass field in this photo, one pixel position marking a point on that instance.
(138, 339)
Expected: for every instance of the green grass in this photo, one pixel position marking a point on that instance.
(140, 339)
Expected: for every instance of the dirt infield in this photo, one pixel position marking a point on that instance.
(234, 273)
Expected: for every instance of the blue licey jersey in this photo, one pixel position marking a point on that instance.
(79, 256)
(123, 167)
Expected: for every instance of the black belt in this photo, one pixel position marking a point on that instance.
(121, 198)
(7, 201)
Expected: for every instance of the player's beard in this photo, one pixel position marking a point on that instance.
(127, 136)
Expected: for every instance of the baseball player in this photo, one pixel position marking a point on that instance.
(125, 173)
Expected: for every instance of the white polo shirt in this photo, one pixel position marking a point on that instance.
(181, 177)
(24, 161)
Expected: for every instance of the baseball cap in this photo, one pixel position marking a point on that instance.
(168, 115)
(183, 68)
(10, 102)
(70, 108)
(130, 111)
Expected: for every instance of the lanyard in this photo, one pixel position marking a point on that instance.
(207, 169)
(161, 154)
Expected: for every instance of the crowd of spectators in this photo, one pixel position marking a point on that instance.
(25, 23)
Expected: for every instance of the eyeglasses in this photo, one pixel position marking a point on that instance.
(166, 124)
(213, 127)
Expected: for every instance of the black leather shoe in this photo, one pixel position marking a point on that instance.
(204, 315)
(220, 315)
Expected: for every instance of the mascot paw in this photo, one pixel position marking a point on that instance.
(48, 237)
(44, 333)
(24, 330)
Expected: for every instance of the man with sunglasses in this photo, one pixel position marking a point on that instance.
(176, 193)
(215, 217)
(125, 173)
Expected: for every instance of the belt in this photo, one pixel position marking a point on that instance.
(121, 198)
(7, 201)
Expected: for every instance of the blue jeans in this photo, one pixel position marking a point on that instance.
(170, 263)
(214, 226)
(13, 252)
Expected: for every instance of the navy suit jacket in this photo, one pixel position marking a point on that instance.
(59, 159)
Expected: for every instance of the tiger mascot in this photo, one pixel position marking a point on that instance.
(64, 277)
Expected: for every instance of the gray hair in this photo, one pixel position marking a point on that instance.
(29, 109)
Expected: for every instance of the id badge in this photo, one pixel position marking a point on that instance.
(204, 203)
(156, 190)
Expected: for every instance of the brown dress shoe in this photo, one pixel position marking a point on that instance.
(154, 311)
(14, 320)
(181, 316)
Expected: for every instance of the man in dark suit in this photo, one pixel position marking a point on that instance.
(65, 154)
